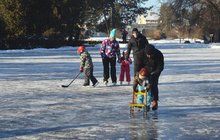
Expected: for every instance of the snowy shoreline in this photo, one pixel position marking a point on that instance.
(166, 43)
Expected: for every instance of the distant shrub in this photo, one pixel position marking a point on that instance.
(50, 32)
(153, 34)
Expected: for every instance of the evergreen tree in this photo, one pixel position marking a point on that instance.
(12, 14)
(118, 13)
(38, 15)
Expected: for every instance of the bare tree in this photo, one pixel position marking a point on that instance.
(188, 15)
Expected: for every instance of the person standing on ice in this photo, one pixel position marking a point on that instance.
(125, 68)
(138, 44)
(86, 66)
(109, 50)
(124, 35)
(155, 64)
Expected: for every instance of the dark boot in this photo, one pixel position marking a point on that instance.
(154, 105)
(85, 84)
(95, 84)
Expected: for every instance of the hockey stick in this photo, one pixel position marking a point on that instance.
(72, 80)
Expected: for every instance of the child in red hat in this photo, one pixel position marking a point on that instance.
(141, 85)
(86, 66)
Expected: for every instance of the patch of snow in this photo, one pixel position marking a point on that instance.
(215, 45)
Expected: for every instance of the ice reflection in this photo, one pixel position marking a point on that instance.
(144, 128)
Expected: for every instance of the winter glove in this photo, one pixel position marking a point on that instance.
(119, 61)
(148, 87)
(81, 69)
(103, 55)
(135, 91)
(153, 73)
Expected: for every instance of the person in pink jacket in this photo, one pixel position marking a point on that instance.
(110, 51)
(125, 68)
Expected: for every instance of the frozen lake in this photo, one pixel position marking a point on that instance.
(33, 105)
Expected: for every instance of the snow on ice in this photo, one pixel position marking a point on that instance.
(33, 104)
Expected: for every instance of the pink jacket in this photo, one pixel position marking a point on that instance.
(110, 49)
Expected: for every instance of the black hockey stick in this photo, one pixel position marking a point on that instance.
(72, 80)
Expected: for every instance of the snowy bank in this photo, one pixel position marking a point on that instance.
(215, 45)
(99, 39)
(194, 40)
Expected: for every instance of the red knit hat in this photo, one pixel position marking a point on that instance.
(144, 72)
(80, 49)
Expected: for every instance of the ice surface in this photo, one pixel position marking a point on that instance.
(215, 45)
(33, 104)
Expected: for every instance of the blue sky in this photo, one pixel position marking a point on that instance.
(154, 3)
